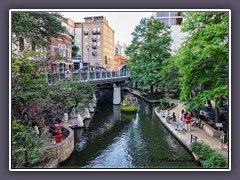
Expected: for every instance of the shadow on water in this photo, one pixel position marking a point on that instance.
(116, 140)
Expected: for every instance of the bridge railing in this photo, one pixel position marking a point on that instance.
(83, 76)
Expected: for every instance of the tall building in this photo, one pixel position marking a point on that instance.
(119, 56)
(172, 19)
(98, 42)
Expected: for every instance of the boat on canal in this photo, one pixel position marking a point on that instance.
(129, 105)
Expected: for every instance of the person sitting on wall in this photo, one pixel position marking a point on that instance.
(57, 126)
(58, 137)
(173, 117)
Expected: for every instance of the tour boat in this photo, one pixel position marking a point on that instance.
(129, 105)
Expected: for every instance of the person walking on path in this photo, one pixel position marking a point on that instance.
(223, 139)
(187, 120)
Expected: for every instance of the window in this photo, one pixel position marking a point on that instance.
(97, 64)
(98, 57)
(98, 43)
(60, 49)
(86, 37)
(86, 58)
(162, 14)
(165, 21)
(94, 43)
(86, 50)
(98, 29)
(98, 36)
(64, 50)
(173, 13)
(86, 44)
(98, 50)
(52, 51)
(69, 52)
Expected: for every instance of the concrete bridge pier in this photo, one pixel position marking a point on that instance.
(116, 94)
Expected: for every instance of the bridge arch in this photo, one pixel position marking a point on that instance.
(124, 69)
(93, 68)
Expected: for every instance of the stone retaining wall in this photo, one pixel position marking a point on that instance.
(211, 131)
(63, 150)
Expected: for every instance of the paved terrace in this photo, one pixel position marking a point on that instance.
(185, 136)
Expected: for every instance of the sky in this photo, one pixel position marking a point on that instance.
(123, 23)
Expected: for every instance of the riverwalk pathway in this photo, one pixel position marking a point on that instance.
(185, 136)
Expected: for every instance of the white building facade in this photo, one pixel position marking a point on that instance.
(172, 19)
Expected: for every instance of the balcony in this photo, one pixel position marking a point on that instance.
(85, 32)
(94, 53)
(94, 32)
(98, 31)
(94, 39)
(94, 46)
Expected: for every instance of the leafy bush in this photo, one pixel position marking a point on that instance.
(209, 157)
(164, 103)
(215, 161)
(26, 147)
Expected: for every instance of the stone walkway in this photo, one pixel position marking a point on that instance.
(185, 136)
(138, 93)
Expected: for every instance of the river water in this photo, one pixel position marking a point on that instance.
(116, 140)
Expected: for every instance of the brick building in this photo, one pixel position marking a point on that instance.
(61, 54)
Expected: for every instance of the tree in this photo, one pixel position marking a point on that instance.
(147, 52)
(170, 77)
(203, 58)
(36, 27)
(34, 99)
(74, 48)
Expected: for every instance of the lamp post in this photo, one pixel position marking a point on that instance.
(88, 63)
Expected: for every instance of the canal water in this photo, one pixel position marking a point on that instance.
(116, 140)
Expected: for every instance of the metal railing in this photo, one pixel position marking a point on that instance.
(82, 76)
(193, 138)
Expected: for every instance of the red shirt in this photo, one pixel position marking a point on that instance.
(188, 118)
(58, 138)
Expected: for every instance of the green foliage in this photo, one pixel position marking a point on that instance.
(74, 50)
(209, 157)
(37, 27)
(203, 58)
(164, 103)
(26, 147)
(169, 80)
(215, 161)
(32, 95)
(148, 51)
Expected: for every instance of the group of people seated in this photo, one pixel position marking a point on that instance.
(184, 119)
(129, 101)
